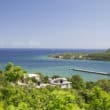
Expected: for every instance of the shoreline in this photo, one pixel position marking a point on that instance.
(98, 56)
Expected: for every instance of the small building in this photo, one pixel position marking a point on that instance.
(26, 79)
(61, 82)
(61, 57)
(42, 85)
(30, 75)
(80, 56)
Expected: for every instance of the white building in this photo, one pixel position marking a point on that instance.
(25, 80)
(61, 82)
(36, 76)
(42, 85)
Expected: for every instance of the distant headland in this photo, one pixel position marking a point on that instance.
(102, 56)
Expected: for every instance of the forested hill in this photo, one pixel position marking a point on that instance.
(104, 56)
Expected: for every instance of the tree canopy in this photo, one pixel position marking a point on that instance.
(13, 73)
(82, 96)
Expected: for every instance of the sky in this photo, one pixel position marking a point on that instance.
(83, 24)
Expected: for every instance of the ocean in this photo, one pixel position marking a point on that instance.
(36, 60)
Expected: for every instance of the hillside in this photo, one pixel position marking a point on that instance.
(105, 56)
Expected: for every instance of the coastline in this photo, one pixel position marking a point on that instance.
(38, 61)
(98, 56)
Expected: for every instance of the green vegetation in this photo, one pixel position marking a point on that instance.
(84, 56)
(82, 96)
(13, 73)
(69, 55)
(77, 82)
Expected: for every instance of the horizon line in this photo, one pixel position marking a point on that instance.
(58, 48)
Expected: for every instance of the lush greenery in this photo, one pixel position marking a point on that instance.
(84, 56)
(82, 96)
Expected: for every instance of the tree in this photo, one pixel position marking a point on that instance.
(55, 76)
(98, 99)
(13, 73)
(23, 106)
(1, 105)
(11, 107)
(104, 84)
(77, 82)
(90, 84)
(43, 78)
(2, 82)
(62, 100)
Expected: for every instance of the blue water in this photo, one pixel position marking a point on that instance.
(36, 60)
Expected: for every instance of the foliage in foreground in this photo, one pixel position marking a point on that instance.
(82, 96)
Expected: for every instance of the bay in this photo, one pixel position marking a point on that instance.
(36, 60)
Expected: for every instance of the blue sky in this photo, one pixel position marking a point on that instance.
(54, 23)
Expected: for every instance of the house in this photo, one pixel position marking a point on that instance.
(36, 76)
(26, 79)
(61, 57)
(61, 82)
(42, 85)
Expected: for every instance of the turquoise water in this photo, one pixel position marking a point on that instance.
(36, 60)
